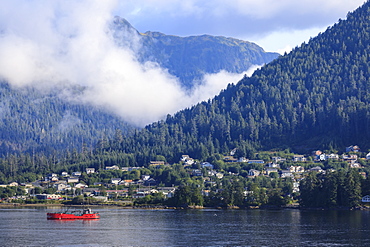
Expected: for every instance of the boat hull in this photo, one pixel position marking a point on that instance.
(66, 216)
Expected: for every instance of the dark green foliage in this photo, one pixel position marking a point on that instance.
(337, 189)
(317, 96)
(187, 196)
(37, 122)
(34, 121)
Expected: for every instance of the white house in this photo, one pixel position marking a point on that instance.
(187, 160)
(299, 158)
(366, 198)
(273, 165)
(72, 180)
(61, 186)
(333, 156)
(112, 167)
(368, 156)
(115, 181)
(286, 174)
(81, 186)
(296, 169)
(76, 174)
(278, 159)
(90, 170)
(64, 174)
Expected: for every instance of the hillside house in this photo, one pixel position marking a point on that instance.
(157, 163)
(353, 148)
(299, 158)
(355, 165)
(184, 157)
(317, 169)
(368, 156)
(52, 177)
(81, 186)
(276, 159)
(61, 186)
(112, 168)
(363, 175)
(76, 174)
(268, 170)
(286, 174)
(48, 197)
(64, 174)
(316, 153)
(207, 165)
(187, 160)
(243, 160)
(296, 169)
(150, 182)
(115, 181)
(273, 165)
(321, 157)
(295, 187)
(253, 173)
(352, 157)
(333, 156)
(129, 169)
(233, 152)
(126, 182)
(73, 180)
(256, 162)
(230, 159)
(366, 198)
(196, 172)
(90, 170)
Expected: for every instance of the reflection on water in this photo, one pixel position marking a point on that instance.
(129, 227)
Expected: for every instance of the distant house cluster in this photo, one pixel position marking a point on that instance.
(291, 167)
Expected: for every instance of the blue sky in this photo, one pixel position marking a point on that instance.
(276, 25)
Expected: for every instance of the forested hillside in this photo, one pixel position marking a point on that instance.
(189, 58)
(36, 122)
(316, 96)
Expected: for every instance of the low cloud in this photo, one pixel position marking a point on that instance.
(212, 84)
(49, 44)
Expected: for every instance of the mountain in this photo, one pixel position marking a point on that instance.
(34, 121)
(189, 58)
(317, 96)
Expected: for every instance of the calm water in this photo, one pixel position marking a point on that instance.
(125, 227)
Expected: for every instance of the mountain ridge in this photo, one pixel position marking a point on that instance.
(63, 125)
(198, 54)
(317, 96)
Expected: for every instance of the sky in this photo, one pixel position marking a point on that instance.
(276, 25)
(47, 44)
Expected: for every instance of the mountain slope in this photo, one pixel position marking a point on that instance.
(317, 96)
(34, 121)
(189, 58)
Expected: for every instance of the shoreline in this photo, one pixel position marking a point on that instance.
(148, 207)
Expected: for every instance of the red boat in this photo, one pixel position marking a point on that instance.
(85, 214)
